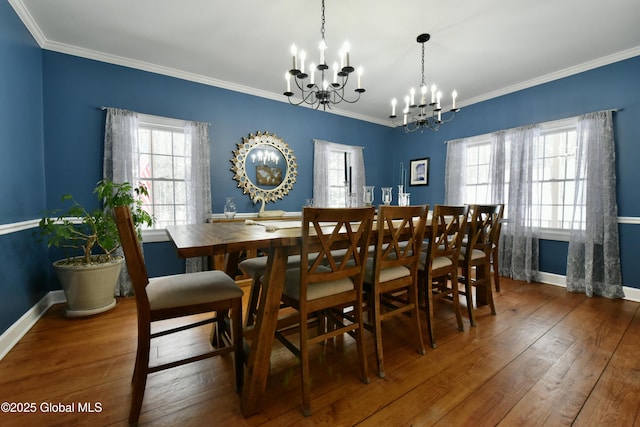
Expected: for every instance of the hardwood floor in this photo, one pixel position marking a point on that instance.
(548, 358)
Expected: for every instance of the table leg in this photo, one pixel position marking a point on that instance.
(265, 328)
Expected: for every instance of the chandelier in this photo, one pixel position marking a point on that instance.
(425, 114)
(322, 92)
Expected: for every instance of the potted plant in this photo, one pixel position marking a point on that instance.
(90, 270)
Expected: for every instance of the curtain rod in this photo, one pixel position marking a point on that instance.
(154, 115)
(613, 110)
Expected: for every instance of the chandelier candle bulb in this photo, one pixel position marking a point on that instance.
(393, 107)
(412, 93)
(438, 97)
(433, 94)
(294, 52)
(454, 95)
(323, 47)
(303, 56)
(312, 70)
(423, 90)
(287, 77)
(360, 77)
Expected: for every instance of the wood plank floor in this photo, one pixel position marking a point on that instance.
(548, 358)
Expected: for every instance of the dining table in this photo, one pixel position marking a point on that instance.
(229, 239)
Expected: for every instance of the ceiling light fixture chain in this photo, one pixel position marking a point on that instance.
(424, 115)
(324, 93)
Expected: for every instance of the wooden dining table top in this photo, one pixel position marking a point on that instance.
(193, 240)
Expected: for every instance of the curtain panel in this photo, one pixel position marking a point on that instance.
(120, 164)
(593, 262)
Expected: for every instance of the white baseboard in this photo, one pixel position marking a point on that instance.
(631, 294)
(11, 336)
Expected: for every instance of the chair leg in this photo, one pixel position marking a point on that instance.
(139, 380)
(496, 274)
(468, 290)
(488, 289)
(430, 318)
(456, 300)
(415, 317)
(377, 332)
(362, 354)
(304, 365)
(236, 327)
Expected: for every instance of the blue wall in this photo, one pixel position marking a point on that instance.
(23, 272)
(615, 86)
(52, 126)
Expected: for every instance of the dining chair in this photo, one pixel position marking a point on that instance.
(438, 269)
(391, 275)
(495, 252)
(475, 256)
(176, 296)
(325, 285)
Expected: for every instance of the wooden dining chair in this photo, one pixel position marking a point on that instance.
(438, 270)
(475, 256)
(495, 252)
(391, 276)
(169, 297)
(324, 282)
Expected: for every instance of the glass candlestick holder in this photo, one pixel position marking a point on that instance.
(367, 196)
(386, 196)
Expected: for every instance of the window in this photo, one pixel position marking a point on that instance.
(556, 191)
(554, 180)
(339, 177)
(162, 168)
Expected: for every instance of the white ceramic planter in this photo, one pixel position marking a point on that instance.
(89, 289)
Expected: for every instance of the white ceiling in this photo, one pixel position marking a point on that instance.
(481, 48)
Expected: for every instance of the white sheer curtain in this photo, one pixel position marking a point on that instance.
(454, 176)
(321, 163)
(518, 239)
(593, 261)
(198, 185)
(514, 159)
(120, 164)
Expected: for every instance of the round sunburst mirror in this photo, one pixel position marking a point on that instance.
(265, 167)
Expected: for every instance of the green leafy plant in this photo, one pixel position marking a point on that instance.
(92, 237)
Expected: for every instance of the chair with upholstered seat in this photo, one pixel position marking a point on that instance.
(475, 256)
(325, 285)
(391, 277)
(438, 271)
(176, 296)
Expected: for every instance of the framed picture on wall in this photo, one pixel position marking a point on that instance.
(419, 172)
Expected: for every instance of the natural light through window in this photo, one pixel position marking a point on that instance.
(162, 169)
(553, 181)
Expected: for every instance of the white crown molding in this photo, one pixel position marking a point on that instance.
(586, 66)
(44, 43)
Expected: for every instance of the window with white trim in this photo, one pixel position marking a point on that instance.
(339, 177)
(161, 149)
(553, 190)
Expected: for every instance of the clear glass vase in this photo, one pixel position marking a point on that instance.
(229, 208)
(367, 196)
(386, 196)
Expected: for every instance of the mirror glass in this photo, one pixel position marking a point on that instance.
(265, 167)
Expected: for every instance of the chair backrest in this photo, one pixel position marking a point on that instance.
(133, 254)
(328, 229)
(400, 232)
(448, 227)
(485, 223)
